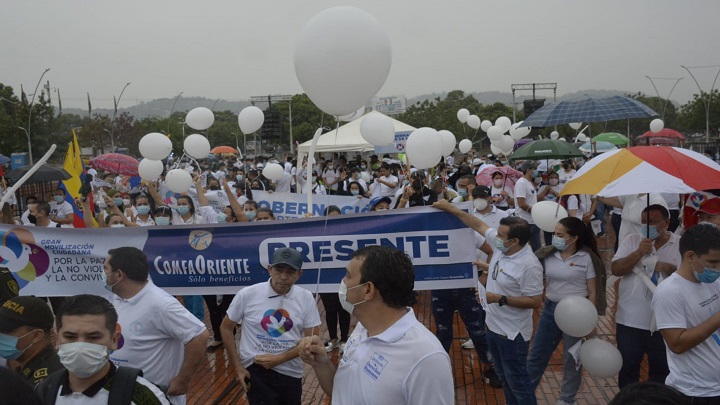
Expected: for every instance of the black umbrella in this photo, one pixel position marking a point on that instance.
(43, 174)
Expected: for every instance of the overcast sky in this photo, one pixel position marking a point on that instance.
(233, 49)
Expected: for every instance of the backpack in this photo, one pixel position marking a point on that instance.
(121, 391)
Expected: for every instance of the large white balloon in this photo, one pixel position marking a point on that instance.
(600, 358)
(378, 129)
(521, 132)
(576, 316)
(656, 125)
(250, 119)
(178, 180)
(197, 146)
(366, 176)
(150, 169)
(495, 150)
(273, 171)
(448, 142)
(465, 145)
(485, 125)
(342, 58)
(506, 144)
(504, 123)
(494, 133)
(473, 122)
(155, 146)
(554, 135)
(352, 116)
(581, 137)
(575, 125)
(424, 148)
(200, 118)
(546, 214)
(462, 115)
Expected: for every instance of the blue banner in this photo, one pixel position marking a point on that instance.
(221, 259)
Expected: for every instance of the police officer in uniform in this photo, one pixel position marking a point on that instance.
(25, 325)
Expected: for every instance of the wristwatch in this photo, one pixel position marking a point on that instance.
(503, 300)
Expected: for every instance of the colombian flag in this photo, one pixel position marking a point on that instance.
(74, 166)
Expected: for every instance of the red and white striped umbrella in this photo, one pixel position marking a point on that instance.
(645, 169)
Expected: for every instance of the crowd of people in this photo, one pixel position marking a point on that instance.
(76, 350)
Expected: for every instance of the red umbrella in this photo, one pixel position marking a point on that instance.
(116, 163)
(223, 149)
(484, 178)
(664, 133)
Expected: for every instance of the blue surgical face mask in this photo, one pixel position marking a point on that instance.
(536, 173)
(708, 275)
(59, 199)
(103, 278)
(183, 209)
(8, 346)
(239, 177)
(118, 201)
(221, 217)
(162, 221)
(462, 192)
(559, 243)
(500, 245)
(250, 215)
(143, 209)
(354, 192)
(652, 234)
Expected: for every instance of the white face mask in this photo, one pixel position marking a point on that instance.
(83, 359)
(480, 204)
(117, 226)
(342, 295)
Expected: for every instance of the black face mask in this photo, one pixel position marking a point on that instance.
(32, 218)
(214, 188)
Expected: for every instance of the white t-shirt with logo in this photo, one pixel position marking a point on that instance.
(155, 329)
(492, 219)
(61, 211)
(569, 277)
(518, 275)
(682, 304)
(525, 189)
(386, 191)
(564, 177)
(272, 323)
(634, 298)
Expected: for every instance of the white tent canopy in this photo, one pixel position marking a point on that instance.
(347, 138)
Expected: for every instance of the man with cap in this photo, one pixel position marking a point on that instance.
(25, 325)
(465, 186)
(275, 316)
(526, 197)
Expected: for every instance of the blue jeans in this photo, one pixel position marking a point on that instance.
(600, 215)
(547, 338)
(444, 303)
(633, 343)
(510, 361)
(195, 304)
(535, 237)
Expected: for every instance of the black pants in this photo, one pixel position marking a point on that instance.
(217, 312)
(633, 344)
(703, 400)
(268, 387)
(333, 312)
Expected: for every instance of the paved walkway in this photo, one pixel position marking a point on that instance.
(214, 383)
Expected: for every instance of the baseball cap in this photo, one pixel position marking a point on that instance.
(25, 311)
(481, 191)
(378, 200)
(528, 164)
(288, 256)
(477, 162)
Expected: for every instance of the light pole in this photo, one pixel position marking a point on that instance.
(709, 97)
(112, 124)
(27, 131)
(662, 116)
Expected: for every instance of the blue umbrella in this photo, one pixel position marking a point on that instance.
(4, 159)
(589, 109)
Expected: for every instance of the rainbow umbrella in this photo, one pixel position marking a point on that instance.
(645, 169)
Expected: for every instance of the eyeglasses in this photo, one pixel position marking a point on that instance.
(495, 270)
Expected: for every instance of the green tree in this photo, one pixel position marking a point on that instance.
(692, 117)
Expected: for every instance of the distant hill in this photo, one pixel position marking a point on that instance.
(161, 107)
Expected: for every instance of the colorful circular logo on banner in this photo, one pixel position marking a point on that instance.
(21, 256)
(276, 322)
(200, 240)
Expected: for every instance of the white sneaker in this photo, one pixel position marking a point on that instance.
(330, 346)
(468, 344)
(561, 402)
(341, 347)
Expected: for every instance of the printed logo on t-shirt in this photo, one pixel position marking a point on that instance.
(276, 322)
(375, 366)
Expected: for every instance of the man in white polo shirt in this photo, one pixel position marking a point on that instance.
(514, 288)
(526, 197)
(159, 336)
(390, 358)
(687, 309)
(275, 315)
